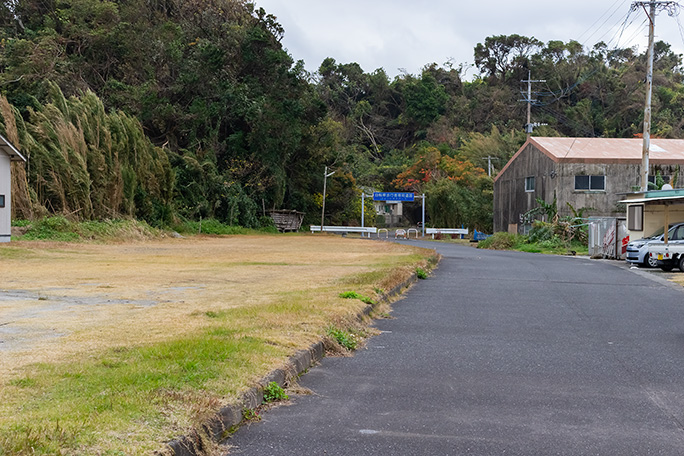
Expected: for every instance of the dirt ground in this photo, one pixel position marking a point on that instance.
(57, 300)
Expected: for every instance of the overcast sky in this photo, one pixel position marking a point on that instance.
(405, 35)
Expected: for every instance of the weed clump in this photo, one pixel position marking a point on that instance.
(250, 415)
(542, 239)
(501, 241)
(421, 274)
(355, 295)
(274, 393)
(346, 339)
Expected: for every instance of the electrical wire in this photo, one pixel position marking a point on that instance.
(567, 90)
(638, 31)
(621, 30)
(562, 118)
(681, 29)
(596, 21)
(673, 10)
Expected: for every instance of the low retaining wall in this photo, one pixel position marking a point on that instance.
(219, 427)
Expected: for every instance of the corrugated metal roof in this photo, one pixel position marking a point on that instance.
(9, 149)
(604, 150)
(660, 200)
(610, 150)
(668, 196)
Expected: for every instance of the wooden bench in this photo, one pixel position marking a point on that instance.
(434, 231)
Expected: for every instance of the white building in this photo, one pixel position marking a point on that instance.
(8, 154)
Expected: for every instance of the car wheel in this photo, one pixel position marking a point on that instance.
(651, 262)
(681, 263)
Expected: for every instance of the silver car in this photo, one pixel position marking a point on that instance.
(637, 251)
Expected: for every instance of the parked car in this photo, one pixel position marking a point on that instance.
(637, 250)
(670, 255)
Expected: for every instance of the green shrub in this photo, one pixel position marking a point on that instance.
(541, 231)
(267, 225)
(60, 229)
(51, 228)
(502, 241)
(209, 226)
(555, 242)
(421, 274)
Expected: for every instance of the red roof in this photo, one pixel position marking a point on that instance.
(606, 150)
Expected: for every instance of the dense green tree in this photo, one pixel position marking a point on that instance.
(233, 125)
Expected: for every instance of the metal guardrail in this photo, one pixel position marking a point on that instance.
(434, 231)
(344, 229)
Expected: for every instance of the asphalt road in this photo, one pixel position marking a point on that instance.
(500, 353)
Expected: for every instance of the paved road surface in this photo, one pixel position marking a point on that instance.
(501, 353)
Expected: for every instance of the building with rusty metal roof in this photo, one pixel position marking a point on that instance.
(591, 173)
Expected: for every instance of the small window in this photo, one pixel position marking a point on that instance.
(597, 182)
(591, 183)
(2, 200)
(581, 182)
(529, 184)
(635, 217)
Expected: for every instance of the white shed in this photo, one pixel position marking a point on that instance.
(8, 154)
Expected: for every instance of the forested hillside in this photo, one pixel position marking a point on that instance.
(180, 109)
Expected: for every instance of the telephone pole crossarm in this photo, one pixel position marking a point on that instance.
(529, 125)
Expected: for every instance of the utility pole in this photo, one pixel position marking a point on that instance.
(654, 6)
(326, 175)
(529, 126)
(490, 168)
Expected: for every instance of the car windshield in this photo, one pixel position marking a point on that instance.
(659, 233)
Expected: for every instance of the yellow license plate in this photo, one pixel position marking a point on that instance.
(660, 256)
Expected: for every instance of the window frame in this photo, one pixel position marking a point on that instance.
(530, 188)
(635, 217)
(2, 201)
(591, 178)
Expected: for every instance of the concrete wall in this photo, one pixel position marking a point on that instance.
(620, 178)
(5, 189)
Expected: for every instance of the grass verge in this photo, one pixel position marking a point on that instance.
(61, 229)
(145, 341)
(553, 246)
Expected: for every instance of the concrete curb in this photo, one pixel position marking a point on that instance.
(200, 441)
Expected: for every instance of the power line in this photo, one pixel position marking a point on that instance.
(619, 28)
(671, 7)
(638, 31)
(679, 25)
(565, 120)
(604, 22)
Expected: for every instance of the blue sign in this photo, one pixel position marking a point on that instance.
(393, 196)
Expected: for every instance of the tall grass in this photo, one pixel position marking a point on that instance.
(86, 163)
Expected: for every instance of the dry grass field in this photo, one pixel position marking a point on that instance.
(113, 348)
